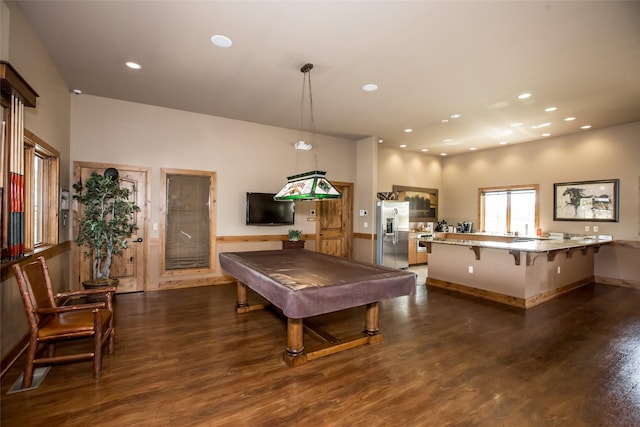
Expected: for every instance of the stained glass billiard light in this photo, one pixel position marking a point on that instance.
(311, 185)
(308, 186)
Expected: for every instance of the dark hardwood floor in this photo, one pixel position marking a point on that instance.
(185, 358)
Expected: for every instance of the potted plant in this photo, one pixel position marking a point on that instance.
(294, 235)
(105, 224)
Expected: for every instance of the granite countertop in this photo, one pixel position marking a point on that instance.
(530, 244)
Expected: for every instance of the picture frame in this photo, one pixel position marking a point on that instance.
(586, 201)
(423, 202)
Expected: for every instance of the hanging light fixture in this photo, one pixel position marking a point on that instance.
(310, 185)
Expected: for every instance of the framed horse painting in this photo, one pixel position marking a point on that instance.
(586, 201)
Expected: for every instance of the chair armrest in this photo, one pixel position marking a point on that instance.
(104, 290)
(68, 308)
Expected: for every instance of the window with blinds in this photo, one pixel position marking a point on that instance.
(189, 237)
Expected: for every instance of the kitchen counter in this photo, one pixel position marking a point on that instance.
(526, 244)
(520, 271)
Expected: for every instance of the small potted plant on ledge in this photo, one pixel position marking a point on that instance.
(294, 235)
(105, 224)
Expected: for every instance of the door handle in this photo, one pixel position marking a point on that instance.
(138, 240)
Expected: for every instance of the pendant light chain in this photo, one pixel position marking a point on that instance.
(306, 70)
(311, 185)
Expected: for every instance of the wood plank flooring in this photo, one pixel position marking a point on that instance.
(185, 358)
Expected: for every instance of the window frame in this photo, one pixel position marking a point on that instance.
(508, 189)
(164, 174)
(50, 209)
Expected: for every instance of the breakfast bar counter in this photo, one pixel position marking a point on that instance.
(522, 272)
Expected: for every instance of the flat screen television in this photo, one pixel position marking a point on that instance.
(263, 210)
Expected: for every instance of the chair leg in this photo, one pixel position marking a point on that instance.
(51, 349)
(112, 341)
(27, 376)
(97, 354)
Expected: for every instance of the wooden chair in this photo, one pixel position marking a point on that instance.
(51, 322)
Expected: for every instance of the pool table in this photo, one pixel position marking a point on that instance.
(302, 283)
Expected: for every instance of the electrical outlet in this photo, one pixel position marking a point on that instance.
(365, 225)
(471, 269)
(595, 228)
(586, 228)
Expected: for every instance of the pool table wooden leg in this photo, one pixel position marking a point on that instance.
(242, 301)
(294, 354)
(241, 296)
(371, 319)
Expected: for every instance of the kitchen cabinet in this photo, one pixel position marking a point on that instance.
(416, 257)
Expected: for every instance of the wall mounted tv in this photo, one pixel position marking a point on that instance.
(263, 210)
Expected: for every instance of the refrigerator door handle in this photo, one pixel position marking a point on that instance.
(395, 226)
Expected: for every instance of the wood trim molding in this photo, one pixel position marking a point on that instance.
(192, 283)
(364, 236)
(634, 284)
(506, 299)
(47, 252)
(12, 81)
(260, 238)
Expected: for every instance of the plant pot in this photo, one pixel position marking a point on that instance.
(97, 284)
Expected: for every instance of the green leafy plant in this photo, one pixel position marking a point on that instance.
(294, 235)
(106, 221)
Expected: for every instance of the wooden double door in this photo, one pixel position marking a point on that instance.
(130, 268)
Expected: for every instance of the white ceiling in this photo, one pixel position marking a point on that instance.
(430, 59)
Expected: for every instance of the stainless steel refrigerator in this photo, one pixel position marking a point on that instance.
(392, 227)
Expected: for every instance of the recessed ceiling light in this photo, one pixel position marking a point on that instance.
(585, 127)
(503, 142)
(541, 125)
(77, 91)
(221, 41)
(445, 120)
(424, 150)
(403, 145)
(569, 119)
(456, 116)
(408, 130)
(524, 95)
(370, 87)
(498, 105)
(443, 154)
(380, 141)
(546, 134)
(550, 109)
(472, 149)
(133, 65)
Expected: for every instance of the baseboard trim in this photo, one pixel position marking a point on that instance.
(634, 284)
(479, 293)
(13, 354)
(506, 299)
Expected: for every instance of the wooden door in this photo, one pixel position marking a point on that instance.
(129, 269)
(334, 228)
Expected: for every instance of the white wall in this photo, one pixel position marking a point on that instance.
(591, 155)
(246, 156)
(49, 120)
(400, 167)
